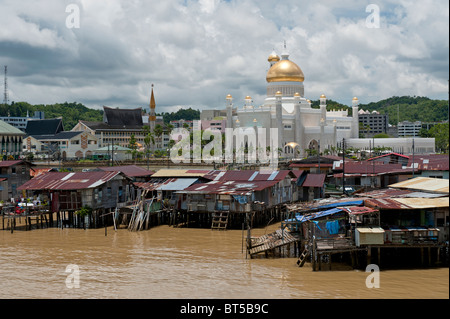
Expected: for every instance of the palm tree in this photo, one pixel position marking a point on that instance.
(149, 140)
(158, 131)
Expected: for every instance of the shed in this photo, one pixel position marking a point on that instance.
(369, 236)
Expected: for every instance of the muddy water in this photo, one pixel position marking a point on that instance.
(167, 262)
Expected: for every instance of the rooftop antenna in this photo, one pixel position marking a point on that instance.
(5, 94)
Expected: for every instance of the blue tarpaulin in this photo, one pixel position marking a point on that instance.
(242, 199)
(303, 218)
(352, 203)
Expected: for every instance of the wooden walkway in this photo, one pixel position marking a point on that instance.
(270, 241)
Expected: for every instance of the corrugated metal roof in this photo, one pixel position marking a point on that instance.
(384, 203)
(68, 181)
(432, 162)
(9, 163)
(358, 210)
(229, 187)
(6, 128)
(426, 184)
(387, 192)
(373, 167)
(419, 203)
(314, 180)
(254, 175)
(390, 154)
(177, 184)
(128, 170)
(180, 173)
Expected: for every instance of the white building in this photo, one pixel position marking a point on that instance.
(300, 127)
(64, 145)
(409, 129)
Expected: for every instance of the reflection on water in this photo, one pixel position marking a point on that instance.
(166, 262)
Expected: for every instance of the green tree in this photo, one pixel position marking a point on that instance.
(133, 145)
(441, 135)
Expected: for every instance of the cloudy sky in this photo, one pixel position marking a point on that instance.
(196, 52)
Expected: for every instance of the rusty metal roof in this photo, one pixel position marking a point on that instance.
(251, 175)
(384, 203)
(229, 187)
(128, 170)
(180, 173)
(432, 162)
(10, 163)
(386, 192)
(407, 203)
(358, 209)
(425, 184)
(420, 203)
(68, 181)
(314, 180)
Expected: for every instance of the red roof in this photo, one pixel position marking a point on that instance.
(384, 203)
(358, 209)
(390, 154)
(128, 170)
(311, 165)
(67, 181)
(434, 162)
(365, 167)
(314, 180)
(250, 175)
(10, 163)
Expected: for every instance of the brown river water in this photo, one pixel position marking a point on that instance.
(182, 263)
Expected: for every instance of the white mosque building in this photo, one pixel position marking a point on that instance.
(301, 127)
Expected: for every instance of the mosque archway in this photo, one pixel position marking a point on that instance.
(292, 149)
(313, 148)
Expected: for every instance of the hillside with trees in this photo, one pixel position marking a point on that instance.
(404, 108)
(70, 112)
(407, 108)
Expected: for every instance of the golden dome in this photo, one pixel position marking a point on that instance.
(296, 94)
(229, 96)
(248, 97)
(323, 96)
(278, 93)
(273, 57)
(285, 70)
(355, 99)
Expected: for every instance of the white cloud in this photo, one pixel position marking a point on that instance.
(196, 52)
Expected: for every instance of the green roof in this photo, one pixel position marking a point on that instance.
(5, 128)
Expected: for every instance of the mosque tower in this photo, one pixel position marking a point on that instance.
(152, 117)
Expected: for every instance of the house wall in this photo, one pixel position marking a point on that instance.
(16, 175)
